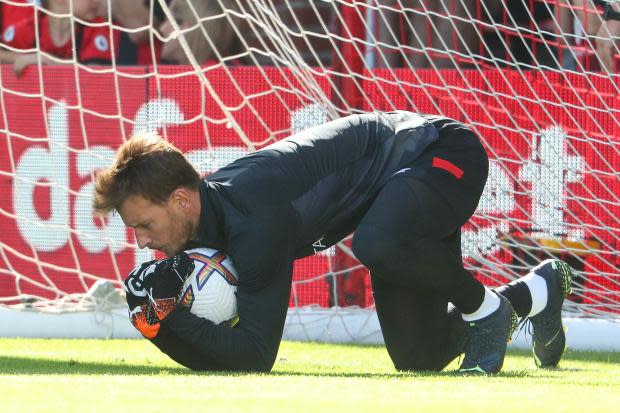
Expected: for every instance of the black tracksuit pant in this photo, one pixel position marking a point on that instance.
(410, 239)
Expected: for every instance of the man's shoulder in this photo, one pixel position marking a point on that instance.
(245, 166)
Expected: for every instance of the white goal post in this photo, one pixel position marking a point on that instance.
(537, 83)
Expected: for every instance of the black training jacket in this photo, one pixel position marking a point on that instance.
(288, 200)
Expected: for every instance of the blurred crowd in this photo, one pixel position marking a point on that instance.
(112, 32)
(570, 34)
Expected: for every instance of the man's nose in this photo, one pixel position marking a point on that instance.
(142, 239)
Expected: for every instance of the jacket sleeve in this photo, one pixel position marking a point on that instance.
(250, 346)
(182, 352)
(261, 254)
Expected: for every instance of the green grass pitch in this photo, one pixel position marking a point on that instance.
(116, 376)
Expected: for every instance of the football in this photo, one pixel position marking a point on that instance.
(209, 291)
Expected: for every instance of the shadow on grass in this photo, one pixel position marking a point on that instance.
(42, 366)
(611, 357)
(14, 365)
(413, 374)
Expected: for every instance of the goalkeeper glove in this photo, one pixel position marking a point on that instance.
(143, 319)
(153, 290)
(163, 287)
(135, 293)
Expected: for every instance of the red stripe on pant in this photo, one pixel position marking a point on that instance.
(448, 166)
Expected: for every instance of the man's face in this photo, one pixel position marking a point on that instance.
(160, 227)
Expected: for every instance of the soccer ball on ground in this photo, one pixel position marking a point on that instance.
(209, 291)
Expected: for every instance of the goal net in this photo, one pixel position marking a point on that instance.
(221, 78)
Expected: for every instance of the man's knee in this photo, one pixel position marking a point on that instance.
(378, 251)
(372, 248)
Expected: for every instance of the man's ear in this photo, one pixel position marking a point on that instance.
(181, 198)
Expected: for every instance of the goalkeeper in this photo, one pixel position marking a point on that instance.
(404, 182)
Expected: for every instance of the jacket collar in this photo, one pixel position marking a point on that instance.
(211, 226)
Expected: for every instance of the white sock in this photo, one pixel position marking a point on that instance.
(538, 289)
(490, 303)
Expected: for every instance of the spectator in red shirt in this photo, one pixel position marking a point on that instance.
(14, 19)
(137, 44)
(55, 44)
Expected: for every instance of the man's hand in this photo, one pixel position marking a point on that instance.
(163, 286)
(22, 62)
(135, 293)
(153, 290)
(142, 318)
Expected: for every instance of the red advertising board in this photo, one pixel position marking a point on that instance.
(554, 168)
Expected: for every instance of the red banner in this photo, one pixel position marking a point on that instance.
(553, 175)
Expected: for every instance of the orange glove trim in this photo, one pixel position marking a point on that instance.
(140, 322)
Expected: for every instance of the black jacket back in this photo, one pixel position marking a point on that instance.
(325, 176)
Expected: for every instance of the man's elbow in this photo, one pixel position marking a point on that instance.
(254, 366)
(262, 367)
(253, 361)
(257, 358)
